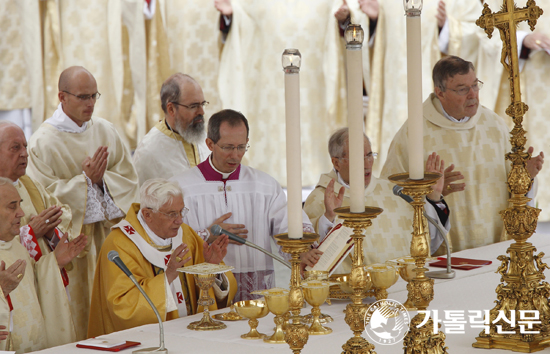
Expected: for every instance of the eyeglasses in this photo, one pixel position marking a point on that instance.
(193, 106)
(230, 148)
(464, 90)
(93, 96)
(370, 156)
(173, 215)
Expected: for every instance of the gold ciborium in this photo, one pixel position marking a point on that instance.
(383, 276)
(315, 293)
(205, 273)
(318, 275)
(252, 309)
(278, 304)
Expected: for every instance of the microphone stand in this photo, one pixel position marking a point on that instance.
(441, 274)
(161, 349)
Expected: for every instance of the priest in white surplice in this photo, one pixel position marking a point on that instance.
(33, 303)
(221, 189)
(83, 163)
(176, 143)
(475, 139)
(389, 236)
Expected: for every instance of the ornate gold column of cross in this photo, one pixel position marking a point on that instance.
(522, 291)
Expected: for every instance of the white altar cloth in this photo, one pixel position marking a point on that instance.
(469, 290)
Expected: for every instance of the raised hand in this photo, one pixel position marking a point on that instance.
(441, 14)
(452, 176)
(177, 260)
(333, 201)
(95, 166)
(343, 12)
(44, 223)
(371, 8)
(224, 7)
(534, 165)
(537, 41)
(65, 251)
(11, 277)
(436, 164)
(215, 252)
(237, 229)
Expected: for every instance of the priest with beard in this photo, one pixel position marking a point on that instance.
(180, 137)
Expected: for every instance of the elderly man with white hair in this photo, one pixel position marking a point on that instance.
(153, 242)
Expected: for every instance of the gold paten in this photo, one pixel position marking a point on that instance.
(522, 286)
(296, 334)
(420, 288)
(252, 309)
(359, 279)
(232, 315)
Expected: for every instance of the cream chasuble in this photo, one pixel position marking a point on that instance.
(164, 153)
(35, 199)
(117, 304)
(107, 37)
(477, 149)
(251, 79)
(41, 313)
(389, 236)
(55, 161)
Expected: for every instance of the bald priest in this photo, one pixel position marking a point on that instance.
(153, 242)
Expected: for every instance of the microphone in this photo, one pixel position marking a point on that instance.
(449, 273)
(114, 257)
(217, 230)
(398, 191)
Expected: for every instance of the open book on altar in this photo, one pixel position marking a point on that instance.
(335, 247)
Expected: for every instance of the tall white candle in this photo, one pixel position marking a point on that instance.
(414, 95)
(293, 151)
(354, 67)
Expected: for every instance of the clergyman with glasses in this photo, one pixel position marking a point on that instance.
(177, 142)
(476, 140)
(241, 199)
(388, 237)
(154, 242)
(81, 160)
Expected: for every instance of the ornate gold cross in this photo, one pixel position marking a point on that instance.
(506, 20)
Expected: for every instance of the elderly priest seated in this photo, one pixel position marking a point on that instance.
(153, 242)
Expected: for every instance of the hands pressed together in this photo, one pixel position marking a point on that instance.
(95, 166)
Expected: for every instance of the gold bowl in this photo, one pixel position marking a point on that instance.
(318, 275)
(278, 303)
(316, 292)
(252, 309)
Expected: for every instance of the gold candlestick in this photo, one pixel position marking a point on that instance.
(296, 334)
(355, 312)
(420, 288)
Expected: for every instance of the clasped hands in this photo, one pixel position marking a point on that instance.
(95, 166)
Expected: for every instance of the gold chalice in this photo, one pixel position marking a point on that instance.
(232, 315)
(278, 303)
(252, 309)
(204, 274)
(406, 268)
(315, 293)
(383, 276)
(204, 282)
(344, 285)
(318, 275)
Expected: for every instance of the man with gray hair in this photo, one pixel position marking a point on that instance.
(389, 236)
(153, 242)
(180, 137)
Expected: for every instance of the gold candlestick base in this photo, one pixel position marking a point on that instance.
(359, 279)
(420, 288)
(296, 334)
